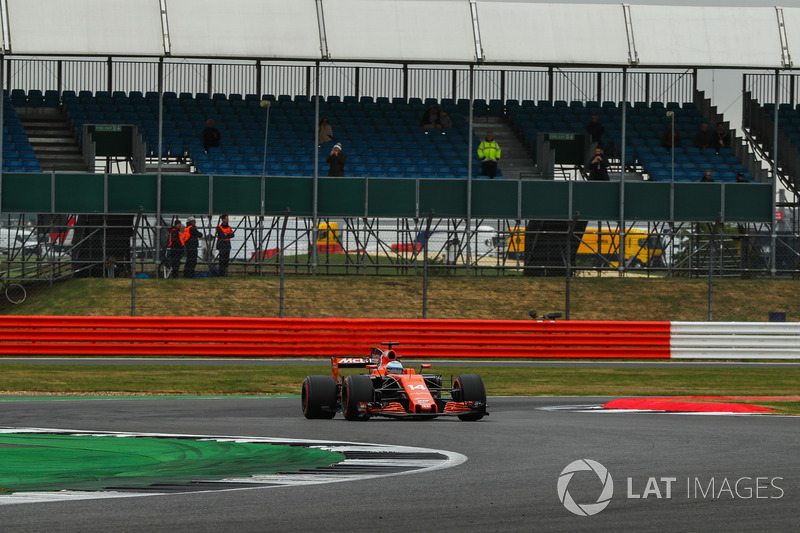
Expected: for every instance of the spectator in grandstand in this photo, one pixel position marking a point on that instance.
(336, 161)
(598, 166)
(191, 242)
(670, 138)
(595, 130)
(211, 136)
(489, 153)
(445, 121)
(740, 178)
(707, 177)
(432, 119)
(175, 250)
(325, 131)
(703, 138)
(722, 138)
(224, 236)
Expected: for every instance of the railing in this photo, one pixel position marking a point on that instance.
(408, 81)
(419, 339)
(735, 340)
(265, 337)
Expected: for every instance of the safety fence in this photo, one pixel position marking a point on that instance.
(735, 340)
(269, 337)
(452, 339)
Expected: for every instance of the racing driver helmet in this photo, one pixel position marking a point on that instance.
(394, 367)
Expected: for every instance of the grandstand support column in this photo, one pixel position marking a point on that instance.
(622, 171)
(471, 125)
(316, 120)
(2, 122)
(109, 74)
(315, 193)
(160, 143)
(266, 105)
(671, 115)
(773, 235)
(469, 158)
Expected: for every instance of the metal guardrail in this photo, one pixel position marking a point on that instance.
(406, 81)
(276, 337)
(453, 339)
(735, 340)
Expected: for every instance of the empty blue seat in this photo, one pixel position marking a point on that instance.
(12, 165)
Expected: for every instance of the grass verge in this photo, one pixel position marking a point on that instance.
(158, 380)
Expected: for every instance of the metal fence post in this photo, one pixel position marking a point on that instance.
(281, 267)
(425, 265)
(133, 261)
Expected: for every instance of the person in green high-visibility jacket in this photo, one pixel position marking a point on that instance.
(489, 152)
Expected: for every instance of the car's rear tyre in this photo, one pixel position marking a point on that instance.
(319, 397)
(470, 388)
(357, 389)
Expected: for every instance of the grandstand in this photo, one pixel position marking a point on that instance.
(504, 64)
(383, 138)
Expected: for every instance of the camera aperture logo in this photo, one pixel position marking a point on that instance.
(585, 509)
(748, 487)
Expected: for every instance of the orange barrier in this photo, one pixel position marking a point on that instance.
(320, 337)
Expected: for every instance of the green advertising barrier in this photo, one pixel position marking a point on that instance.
(647, 200)
(343, 197)
(79, 193)
(546, 200)
(391, 197)
(383, 197)
(495, 199)
(26, 193)
(236, 195)
(128, 192)
(445, 197)
(596, 200)
(698, 202)
(748, 202)
(295, 194)
(182, 193)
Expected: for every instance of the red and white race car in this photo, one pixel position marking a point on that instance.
(390, 390)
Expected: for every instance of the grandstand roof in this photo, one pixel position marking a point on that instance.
(408, 31)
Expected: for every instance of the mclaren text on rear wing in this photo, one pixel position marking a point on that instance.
(348, 362)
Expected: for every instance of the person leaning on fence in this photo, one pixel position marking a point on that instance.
(191, 242)
(175, 249)
(224, 236)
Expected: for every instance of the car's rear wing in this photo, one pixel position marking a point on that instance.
(348, 362)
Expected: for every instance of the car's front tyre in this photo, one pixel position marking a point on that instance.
(356, 390)
(470, 388)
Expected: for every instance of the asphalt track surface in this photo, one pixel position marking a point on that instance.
(508, 482)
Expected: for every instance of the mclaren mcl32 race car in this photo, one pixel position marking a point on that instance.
(390, 390)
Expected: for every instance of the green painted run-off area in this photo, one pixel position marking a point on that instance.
(47, 462)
